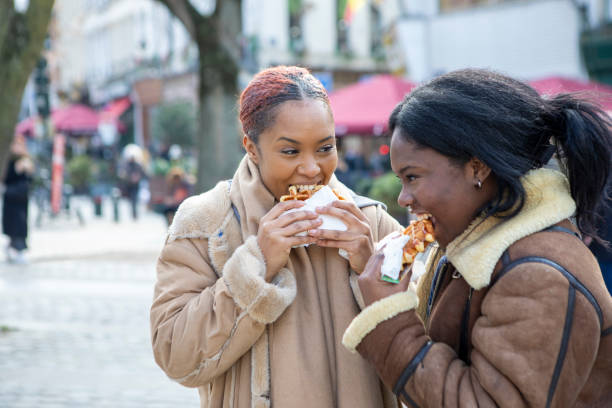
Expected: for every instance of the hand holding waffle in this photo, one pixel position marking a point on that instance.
(401, 249)
(356, 240)
(278, 231)
(313, 197)
(398, 251)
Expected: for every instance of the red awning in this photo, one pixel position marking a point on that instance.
(75, 119)
(113, 110)
(364, 108)
(594, 91)
(26, 126)
(70, 119)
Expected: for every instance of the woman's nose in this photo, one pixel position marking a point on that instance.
(405, 199)
(309, 167)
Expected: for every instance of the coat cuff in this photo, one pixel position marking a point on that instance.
(376, 313)
(244, 276)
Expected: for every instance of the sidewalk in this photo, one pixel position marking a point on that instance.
(74, 321)
(100, 237)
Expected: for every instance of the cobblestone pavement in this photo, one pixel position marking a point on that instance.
(74, 330)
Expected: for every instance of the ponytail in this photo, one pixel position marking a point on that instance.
(581, 132)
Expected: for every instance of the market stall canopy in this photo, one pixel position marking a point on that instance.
(113, 111)
(594, 91)
(75, 119)
(364, 108)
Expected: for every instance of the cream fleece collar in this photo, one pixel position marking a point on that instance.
(477, 250)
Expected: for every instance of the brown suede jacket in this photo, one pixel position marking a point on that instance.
(516, 315)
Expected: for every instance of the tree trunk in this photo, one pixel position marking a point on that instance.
(217, 37)
(219, 143)
(21, 40)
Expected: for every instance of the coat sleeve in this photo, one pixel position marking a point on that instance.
(533, 346)
(201, 324)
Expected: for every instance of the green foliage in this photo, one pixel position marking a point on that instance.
(79, 170)
(295, 7)
(175, 123)
(160, 167)
(363, 186)
(7, 329)
(341, 9)
(386, 189)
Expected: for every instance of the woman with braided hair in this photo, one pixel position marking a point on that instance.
(244, 308)
(513, 310)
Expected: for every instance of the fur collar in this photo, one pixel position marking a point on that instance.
(477, 250)
(200, 216)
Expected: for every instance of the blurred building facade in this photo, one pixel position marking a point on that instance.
(117, 49)
(527, 39)
(114, 49)
(318, 34)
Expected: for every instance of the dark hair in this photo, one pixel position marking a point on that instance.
(271, 87)
(507, 125)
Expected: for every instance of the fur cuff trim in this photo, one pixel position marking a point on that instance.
(244, 276)
(376, 313)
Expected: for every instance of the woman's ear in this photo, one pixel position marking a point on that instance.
(251, 149)
(480, 171)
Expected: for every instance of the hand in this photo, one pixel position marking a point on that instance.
(276, 234)
(357, 240)
(372, 287)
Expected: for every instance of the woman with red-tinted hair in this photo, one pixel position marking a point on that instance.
(244, 308)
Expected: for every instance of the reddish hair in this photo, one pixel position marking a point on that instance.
(271, 87)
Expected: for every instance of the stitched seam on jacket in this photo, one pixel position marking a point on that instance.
(571, 278)
(569, 318)
(217, 356)
(232, 386)
(606, 332)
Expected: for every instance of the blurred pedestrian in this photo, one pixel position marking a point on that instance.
(132, 174)
(16, 195)
(178, 188)
(515, 313)
(242, 309)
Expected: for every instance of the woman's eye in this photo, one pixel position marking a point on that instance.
(290, 152)
(327, 148)
(411, 177)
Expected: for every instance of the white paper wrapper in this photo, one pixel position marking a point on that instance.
(321, 198)
(393, 251)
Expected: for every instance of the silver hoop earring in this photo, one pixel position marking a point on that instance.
(409, 208)
(478, 185)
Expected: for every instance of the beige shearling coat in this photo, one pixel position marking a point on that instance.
(217, 325)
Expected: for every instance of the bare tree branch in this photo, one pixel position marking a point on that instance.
(185, 12)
